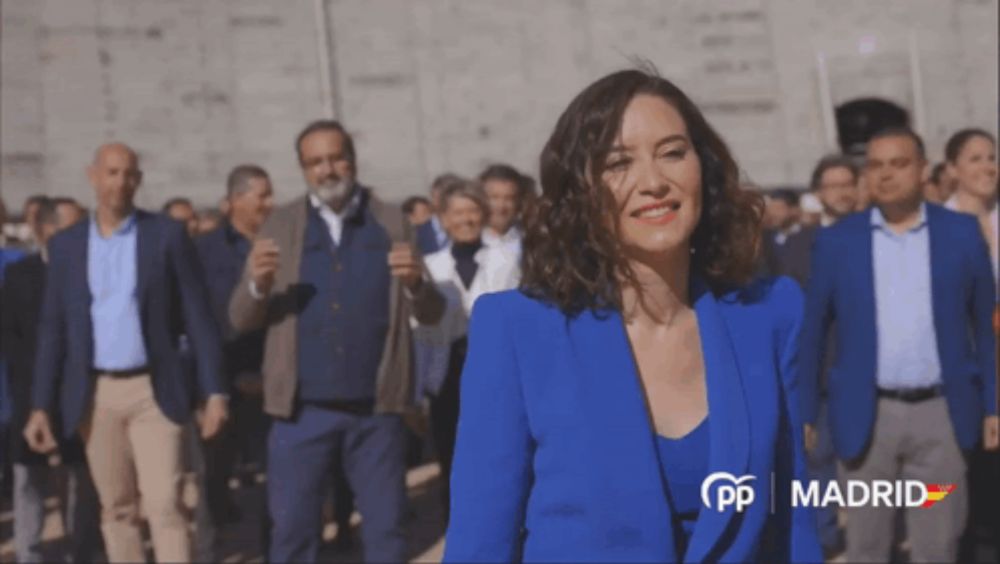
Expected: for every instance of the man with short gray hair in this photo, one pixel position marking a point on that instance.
(223, 251)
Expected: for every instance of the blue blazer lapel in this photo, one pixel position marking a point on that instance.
(625, 462)
(147, 237)
(79, 259)
(729, 421)
(865, 300)
(939, 254)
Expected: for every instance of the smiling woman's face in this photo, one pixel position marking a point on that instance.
(462, 219)
(654, 174)
(975, 169)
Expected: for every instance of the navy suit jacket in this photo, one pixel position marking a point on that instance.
(172, 302)
(842, 289)
(223, 253)
(556, 456)
(427, 242)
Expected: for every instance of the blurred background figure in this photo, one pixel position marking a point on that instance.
(30, 215)
(182, 210)
(69, 211)
(210, 219)
(3, 222)
(939, 185)
(781, 221)
(432, 235)
(463, 270)
(36, 477)
(507, 192)
(970, 156)
(223, 252)
(781, 211)
(835, 183)
(11, 251)
(833, 193)
(418, 210)
(810, 210)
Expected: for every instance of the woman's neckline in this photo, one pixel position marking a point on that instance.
(697, 428)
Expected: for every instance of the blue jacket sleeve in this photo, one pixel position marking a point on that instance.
(51, 345)
(426, 239)
(199, 324)
(815, 324)
(981, 309)
(798, 524)
(491, 475)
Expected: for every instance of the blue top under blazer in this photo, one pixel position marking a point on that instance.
(556, 457)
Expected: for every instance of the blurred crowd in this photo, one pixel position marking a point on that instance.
(324, 435)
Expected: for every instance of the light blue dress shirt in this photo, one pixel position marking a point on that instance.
(904, 312)
(112, 273)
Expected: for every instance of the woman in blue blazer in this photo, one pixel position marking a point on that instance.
(636, 360)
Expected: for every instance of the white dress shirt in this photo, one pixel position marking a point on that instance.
(509, 241)
(335, 220)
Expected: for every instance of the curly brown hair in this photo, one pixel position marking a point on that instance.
(572, 253)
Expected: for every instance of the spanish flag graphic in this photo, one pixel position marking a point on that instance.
(936, 493)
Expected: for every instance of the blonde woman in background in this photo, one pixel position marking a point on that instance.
(463, 270)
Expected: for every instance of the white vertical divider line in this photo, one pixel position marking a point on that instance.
(323, 51)
(826, 102)
(917, 81)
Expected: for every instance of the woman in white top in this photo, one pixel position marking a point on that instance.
(971, 160)
(463, 270)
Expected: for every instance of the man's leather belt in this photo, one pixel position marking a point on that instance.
(354, 407)
(122, 374)
(912, 395)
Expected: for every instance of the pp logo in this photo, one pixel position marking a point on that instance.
(732, 491)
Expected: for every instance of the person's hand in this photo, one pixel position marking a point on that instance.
(991, 432)
(405, 263)
(38, 433)
(811, 436)
(215, 416)
(262, 264)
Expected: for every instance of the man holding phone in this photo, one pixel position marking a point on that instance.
(334, 279)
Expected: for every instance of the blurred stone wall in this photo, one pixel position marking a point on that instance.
(198, 86)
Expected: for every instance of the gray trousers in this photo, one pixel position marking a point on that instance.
(78, 501)
(910, 441)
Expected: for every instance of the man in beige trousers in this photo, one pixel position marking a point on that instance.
(124, 293)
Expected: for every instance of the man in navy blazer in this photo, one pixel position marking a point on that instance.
(913, 380)
(124, 298)
(430, 234)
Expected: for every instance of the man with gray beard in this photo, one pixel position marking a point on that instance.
(333, 279)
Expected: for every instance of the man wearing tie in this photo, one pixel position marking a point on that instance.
(123, 289)
(913, 379)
